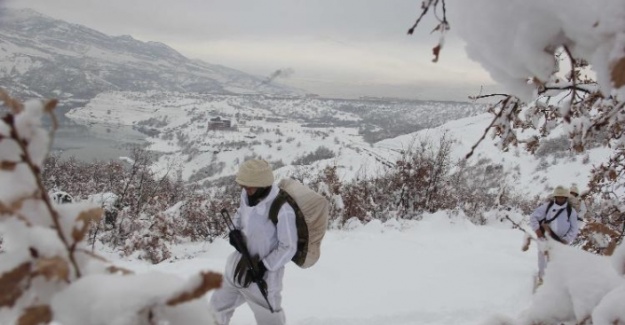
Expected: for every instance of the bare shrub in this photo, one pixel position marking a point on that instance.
(207, 171)
(319, 154)
(424, 179)
(134, 220)
(552, 146)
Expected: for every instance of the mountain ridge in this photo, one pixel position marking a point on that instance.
(45, 57)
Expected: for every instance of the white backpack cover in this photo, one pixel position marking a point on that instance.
(311, 217)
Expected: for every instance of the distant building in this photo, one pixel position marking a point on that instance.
(217, 123)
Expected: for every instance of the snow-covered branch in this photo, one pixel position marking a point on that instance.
(46, 272)
(442, 27)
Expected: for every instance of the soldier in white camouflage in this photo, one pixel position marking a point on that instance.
(577, 202)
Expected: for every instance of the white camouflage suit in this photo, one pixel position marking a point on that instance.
(275, 244)
(565, 227)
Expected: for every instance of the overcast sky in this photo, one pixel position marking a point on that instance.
(344, 48)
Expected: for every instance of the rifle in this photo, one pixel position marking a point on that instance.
(262, 285)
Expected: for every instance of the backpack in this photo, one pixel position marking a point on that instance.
(311, 218)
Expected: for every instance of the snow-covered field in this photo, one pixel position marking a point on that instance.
(439, 270)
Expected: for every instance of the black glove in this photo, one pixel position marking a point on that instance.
(237, 240)
(260, 271)
(244, 276)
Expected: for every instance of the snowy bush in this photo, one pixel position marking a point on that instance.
(207, 171)
(552, 146)
(605, 227)
(319, 154)
(424, 179)
(133, 200)
(151, 237)
(46, 273)
(199, 218)
(579, 288)
(329, 185)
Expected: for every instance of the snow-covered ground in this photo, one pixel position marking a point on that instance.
(439, 270)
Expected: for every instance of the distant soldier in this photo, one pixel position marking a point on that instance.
(60, 197)
(577, 202)
(556, 219)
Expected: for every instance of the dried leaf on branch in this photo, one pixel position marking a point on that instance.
(84, 220)
(13, 284)
(36, 315)
(210, 281)
(55, 268)
(618, 73)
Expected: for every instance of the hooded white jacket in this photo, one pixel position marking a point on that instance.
(275, 244)
(564, 226)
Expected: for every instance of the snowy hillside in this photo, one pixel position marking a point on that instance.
(42, 56)
(310, 133)
(441, 269)
(435, 271)
(553, 165)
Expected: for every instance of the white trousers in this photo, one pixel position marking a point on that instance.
(542, 259)
(231, 295)
(542, 263)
